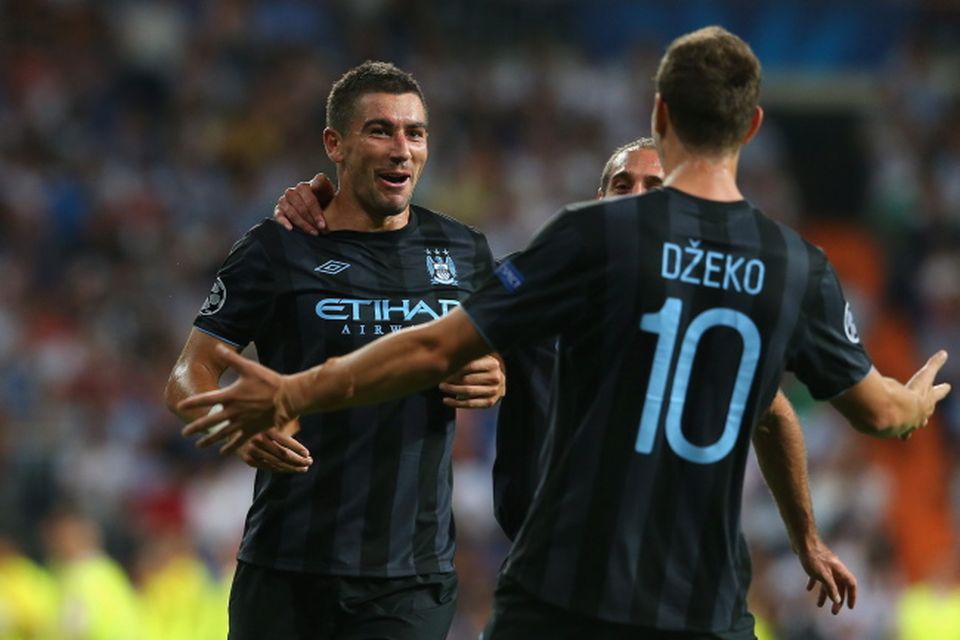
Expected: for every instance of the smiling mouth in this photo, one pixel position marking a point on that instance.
(395, 179)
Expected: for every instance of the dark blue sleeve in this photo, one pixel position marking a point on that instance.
(544, 289)
(242, 294)
(828, 356)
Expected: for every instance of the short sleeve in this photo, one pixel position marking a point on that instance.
(828, 356)
(242, 294)
(541, 291)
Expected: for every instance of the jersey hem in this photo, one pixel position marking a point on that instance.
(363, 572)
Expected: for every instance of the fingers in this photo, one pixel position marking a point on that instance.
(288, 216)
(486, 364)
(481, 390)
(281, 217)
(940, 391)
(289, 444)
(264, 451)
(206, 400)
(296, 208)
(831, 590)
(847, 583)
(308, 206)
(928, 372)
(470, 403)
(322, 189)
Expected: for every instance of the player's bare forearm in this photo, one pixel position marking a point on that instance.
(782, 457)
(883, 407)
(198, 369)
(391, 367)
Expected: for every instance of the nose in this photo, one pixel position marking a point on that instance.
(400, 150)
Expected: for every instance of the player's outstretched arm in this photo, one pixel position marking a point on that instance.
(781, 454)
(302, 205)
(198, 369)
(393, 366)
(884, 408)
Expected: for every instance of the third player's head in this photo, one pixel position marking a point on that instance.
(633, 168)
(708, 84)
(377, 136)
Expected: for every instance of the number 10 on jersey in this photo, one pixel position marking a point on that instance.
(665, 323)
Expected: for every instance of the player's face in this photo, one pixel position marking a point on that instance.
(384, 151)
(634, 172)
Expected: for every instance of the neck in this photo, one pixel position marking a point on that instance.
(346, 214)
(707, 177)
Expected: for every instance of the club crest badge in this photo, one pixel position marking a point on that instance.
(441, 268)
(215, 299)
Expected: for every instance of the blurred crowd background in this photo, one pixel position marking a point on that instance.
(139, 139)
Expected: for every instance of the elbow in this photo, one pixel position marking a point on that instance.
(170, 395)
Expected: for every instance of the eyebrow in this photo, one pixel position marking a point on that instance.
(389, 123)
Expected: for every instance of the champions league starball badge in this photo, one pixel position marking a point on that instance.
(849, 326)
(215, 299)
(441, 268)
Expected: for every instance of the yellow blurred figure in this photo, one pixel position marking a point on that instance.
(929, 611)
(28, 596)
(763, 630)
(177, 593)
(96, 601)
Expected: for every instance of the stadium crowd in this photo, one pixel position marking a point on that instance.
(138, 140)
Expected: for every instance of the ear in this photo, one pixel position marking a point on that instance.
(333, 143)
(599, 193)
(660, 117)
(755, 123)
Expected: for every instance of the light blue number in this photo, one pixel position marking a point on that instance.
(666, 324)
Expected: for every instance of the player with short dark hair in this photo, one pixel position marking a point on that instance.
(358, 542)
(678, 312)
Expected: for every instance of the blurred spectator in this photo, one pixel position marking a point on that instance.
(95, 598)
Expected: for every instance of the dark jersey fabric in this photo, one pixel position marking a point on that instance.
(376, 501)
(522, 422)
(677, 317)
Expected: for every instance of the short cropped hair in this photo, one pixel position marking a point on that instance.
(710, 80)
(639, 143)
(369, 77)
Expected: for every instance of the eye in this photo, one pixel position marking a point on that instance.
(379, 130)
(652, 182)
(416, 134)
(620, 188)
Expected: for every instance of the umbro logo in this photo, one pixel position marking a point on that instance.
(332, 267)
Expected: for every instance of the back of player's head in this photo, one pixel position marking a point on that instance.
(369, 77)
(710, 80)
(614, 159)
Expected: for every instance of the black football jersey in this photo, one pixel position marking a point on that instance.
(676, 318)
(376, 501)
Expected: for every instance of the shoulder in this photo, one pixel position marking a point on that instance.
(447, 223)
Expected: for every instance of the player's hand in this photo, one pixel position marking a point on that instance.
(246, 407)
(302, 205)
(836, 581)
(276, 450)
(930, 394)
(478, 385)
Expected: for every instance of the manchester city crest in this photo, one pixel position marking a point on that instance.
(441, 268)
